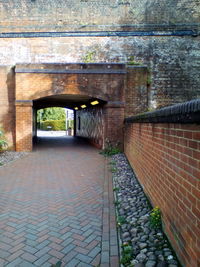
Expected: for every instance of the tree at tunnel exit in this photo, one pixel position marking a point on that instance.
(54, 113)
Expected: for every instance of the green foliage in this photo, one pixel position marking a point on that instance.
(127, 255)
(155, 218)
(115, 189)
(89, 57)
(3, 142)
(113, 169)
(121, 220)
(56, 125)
(133, 62)
(110, 149)
(117, 203)
(48, 114)
(112, 163)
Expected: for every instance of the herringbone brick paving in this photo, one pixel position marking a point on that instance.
(56, 204)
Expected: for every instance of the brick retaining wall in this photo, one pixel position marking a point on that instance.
(166, 160)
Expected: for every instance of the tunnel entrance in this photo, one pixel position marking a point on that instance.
(95, 93)
(67, 116)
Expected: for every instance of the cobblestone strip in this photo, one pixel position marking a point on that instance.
(141, 244)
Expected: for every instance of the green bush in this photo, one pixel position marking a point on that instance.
(56, 125)
(3, 142)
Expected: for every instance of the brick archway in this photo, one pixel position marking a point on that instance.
(96, 81)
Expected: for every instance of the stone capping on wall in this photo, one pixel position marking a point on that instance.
(99, 34)
(86, 71)
(187, 112)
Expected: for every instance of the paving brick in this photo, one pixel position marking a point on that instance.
(29, 249)
(67, 242)
(15, 262)
(90, 238)
(42, 260)
(15, 255)
(83, 258)
(26, 264)
(114, 261)
(66, 235)
(57, 216)
(43, 244)
(56, 253)
(105, 257)
(73, 263)
(114, 250)
(42, 252)
(29, 257)
(94, 252)
(4, 254)
(68, 248)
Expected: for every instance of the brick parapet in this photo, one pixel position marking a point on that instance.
(166, 159)
(188, 112)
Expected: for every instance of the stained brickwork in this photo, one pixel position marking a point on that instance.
(65, 15)
(173, 62)
(137, 93)
(166, 160)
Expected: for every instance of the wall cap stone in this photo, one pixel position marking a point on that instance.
(86, 71)
(187, 112)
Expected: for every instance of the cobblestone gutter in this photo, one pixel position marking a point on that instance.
(141, 244)
(8, 156)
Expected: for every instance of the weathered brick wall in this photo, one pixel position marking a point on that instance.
(166, 160)
(94, 80)
(7, 108)
(172, 61)
(48, 15)
(137, 90)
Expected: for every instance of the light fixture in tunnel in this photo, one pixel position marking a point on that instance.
(94, 102)
(76, 108)
(83, 106)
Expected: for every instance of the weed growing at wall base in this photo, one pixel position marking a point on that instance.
(110, 149)
(155, 218)
(127, 254)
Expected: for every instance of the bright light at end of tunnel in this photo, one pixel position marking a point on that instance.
(94, 102)
(76, 108)
(83, 106)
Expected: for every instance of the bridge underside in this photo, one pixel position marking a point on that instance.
(72, 86)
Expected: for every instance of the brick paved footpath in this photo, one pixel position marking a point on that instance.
(56, 204)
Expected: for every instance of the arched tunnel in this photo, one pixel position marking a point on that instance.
(88, 115)
(73, 86)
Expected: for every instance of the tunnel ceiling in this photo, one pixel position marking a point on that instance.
(66, 101)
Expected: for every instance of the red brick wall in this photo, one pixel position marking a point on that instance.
(166, 160)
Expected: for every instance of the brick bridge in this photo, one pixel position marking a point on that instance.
(116, 87)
